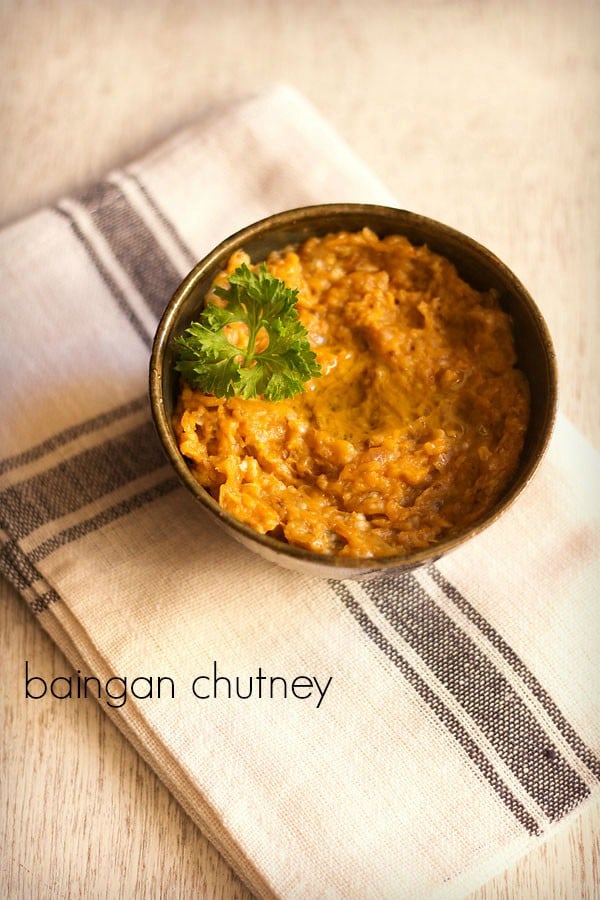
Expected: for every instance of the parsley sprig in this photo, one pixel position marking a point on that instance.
(210, 362)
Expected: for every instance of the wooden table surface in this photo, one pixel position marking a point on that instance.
(483, 115)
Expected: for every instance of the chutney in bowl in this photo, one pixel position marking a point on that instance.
(435, 402)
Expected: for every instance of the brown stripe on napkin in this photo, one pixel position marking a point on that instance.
(133, 244)
(20, 571)
(162, 218)
(519, 667)
(80, 480)
(94, 473)
(440, 709)
(64, 437)
(147, 244)
(105, 517)
(17, 567)
(118, 295)
(41, 602)
(482, 691)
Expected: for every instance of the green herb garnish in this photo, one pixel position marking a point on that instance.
(210, 362)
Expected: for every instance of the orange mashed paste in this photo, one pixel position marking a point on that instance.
(411, 433)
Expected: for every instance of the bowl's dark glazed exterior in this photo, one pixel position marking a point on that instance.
(475, 264)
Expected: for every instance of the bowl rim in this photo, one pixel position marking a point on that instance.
(304, 215)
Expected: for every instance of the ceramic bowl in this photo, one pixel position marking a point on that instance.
(477, 265)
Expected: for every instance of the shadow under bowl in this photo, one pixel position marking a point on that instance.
(475, 264)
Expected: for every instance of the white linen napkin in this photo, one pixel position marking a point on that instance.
(419, 733)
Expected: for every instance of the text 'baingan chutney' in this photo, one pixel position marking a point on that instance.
(410, 433)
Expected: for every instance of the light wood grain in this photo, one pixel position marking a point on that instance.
(483, 115)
